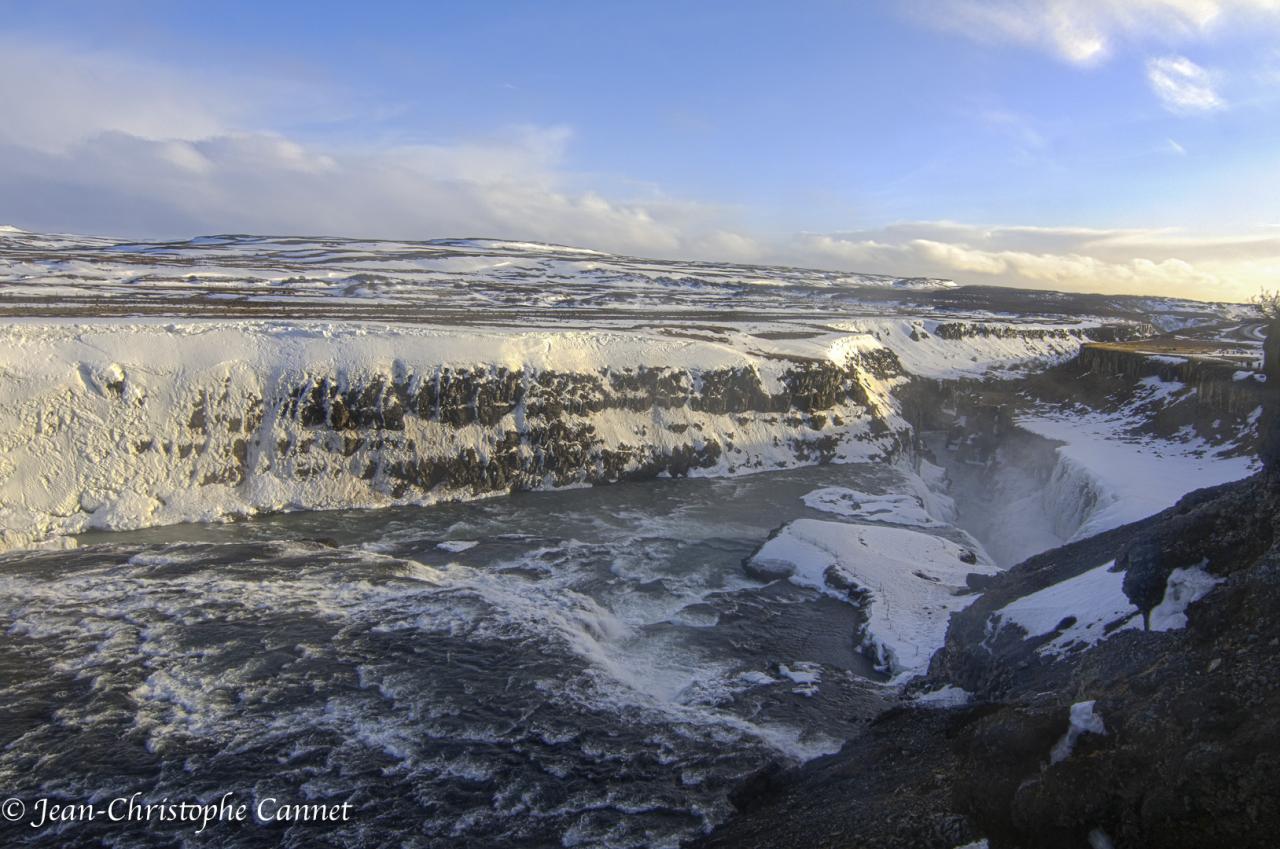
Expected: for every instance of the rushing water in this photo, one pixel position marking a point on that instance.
(576, 668)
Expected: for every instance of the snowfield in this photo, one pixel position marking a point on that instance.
(1085, 610)
(894, 509)
(448, 277)
(1079, 611)
(992, 347)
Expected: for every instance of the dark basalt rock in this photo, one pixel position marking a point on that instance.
(645, 387)
(199, 418)
(880, 363)
(1210, 384)
(732, 390)
(497, 397)
(962, 330)
(756, 786)
(767, 570)
(549, 440)
(1144, 578)
(839, 579)
(821, 450)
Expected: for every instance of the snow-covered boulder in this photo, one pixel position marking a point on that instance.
(907, 582)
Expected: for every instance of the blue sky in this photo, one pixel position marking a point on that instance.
(1080, 144)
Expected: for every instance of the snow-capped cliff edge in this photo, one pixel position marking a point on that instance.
(129, 423)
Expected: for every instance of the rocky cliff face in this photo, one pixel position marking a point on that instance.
(135, 425)
(120, 445)
(468, 432)
(1216, 385)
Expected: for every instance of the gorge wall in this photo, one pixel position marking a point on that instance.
(114, 427)
(290, 422)
(1102, 439)
(1220, 386)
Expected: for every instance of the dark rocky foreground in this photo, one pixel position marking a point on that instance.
(1191, 757)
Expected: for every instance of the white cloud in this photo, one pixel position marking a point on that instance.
(54, 97)
(95, 142)
(1072, 259)
(254, 182)
(1087, 31)
(1182, 85)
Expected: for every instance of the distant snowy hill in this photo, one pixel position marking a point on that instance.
(450, 273)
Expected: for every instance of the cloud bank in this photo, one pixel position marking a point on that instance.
(103, 144)
(1136, 261)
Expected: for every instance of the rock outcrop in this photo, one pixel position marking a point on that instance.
(1217, 385)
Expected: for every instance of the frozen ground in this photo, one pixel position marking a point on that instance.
(488, 280)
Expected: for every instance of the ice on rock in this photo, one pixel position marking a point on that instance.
(456, 546)
(1099, 839)
(1184, 587)
(944, 697)
(805, 674)
(1084, 720)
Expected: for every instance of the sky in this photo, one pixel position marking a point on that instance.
(1087, 145)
